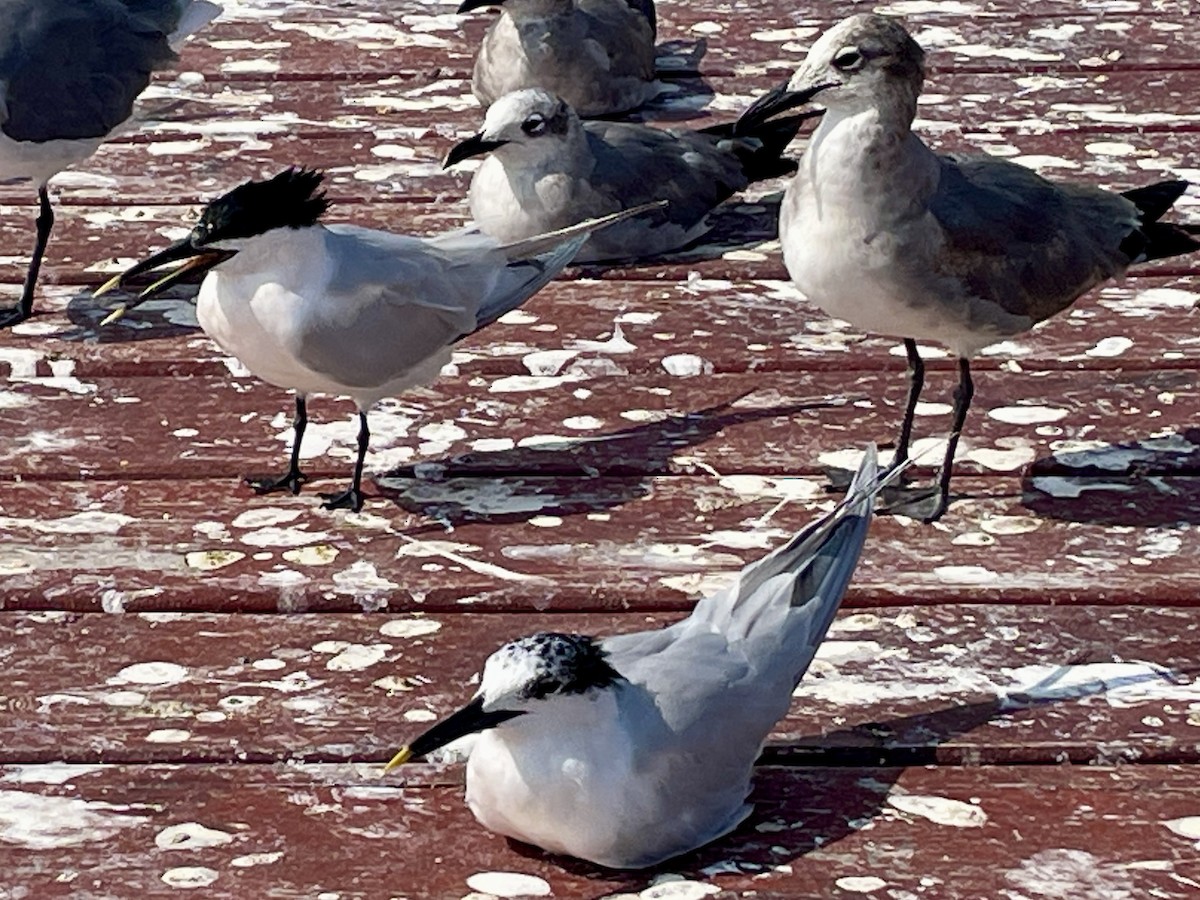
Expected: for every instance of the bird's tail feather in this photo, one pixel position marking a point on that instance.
(537, 260)
(1154, 239)
(793, 593)
(196, 14)
(539, 243)
(760, 146)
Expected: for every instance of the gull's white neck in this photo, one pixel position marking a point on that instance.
(867, 159)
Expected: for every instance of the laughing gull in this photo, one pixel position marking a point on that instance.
(70, 71)
(879, 230)
(596, 54)
(548, 169)
(633, 749)
(340, 309)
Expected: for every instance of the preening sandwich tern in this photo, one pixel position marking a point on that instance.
(633, 749)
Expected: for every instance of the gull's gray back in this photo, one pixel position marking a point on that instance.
(1026, 244)
(72, 70)
(599, 58)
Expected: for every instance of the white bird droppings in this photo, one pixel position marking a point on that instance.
(860, 884)
(262, 518)
(358, 656)
(509, 884)
(159, 674)
(191, 836)
(45, 823)
(1109, 347)
(965, 574)
(939, 810)
(189, 876)
(1188, 827)
(256, 859)
(168, 736)
(668, 888)
(316, 555)
(208, 560)
(410, 628)
(686, 365)
(1027, 415)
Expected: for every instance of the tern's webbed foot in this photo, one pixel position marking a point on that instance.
(351, 499)
(925, 503)
(288, 481)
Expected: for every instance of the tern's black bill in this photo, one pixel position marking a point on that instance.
(472, 146)
(773, 103)
(467, 5)
(468, 720)
(197, 260)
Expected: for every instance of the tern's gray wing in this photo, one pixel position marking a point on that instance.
(1024, 243)
(770, 620)
(397, 303)
(73, 70)
(720, 679)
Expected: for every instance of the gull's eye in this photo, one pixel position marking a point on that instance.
(848, 59)
(535, 124)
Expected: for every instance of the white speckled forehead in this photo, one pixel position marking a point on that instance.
(519, 105)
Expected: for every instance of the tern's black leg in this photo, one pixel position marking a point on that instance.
(962, 402)
(916, 380)
(352, 498)
(293, 477)
(45, 222)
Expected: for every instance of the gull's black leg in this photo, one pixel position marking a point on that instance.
(916, 380)
(962, 402)
(45, 222)
(352, 498)
(293, 477)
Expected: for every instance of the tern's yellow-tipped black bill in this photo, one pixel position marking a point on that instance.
(196, 260)
(399, 759)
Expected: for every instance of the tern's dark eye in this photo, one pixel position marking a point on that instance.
(848, 59)
(535, 124)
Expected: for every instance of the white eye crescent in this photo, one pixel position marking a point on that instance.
(848, 59)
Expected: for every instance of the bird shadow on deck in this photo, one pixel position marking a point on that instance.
(616, 469)
(816, 791)
(1147, 483)
(171, 314)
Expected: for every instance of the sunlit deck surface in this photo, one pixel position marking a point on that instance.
(199, 684)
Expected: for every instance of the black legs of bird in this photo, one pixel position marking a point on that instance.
(352, 498)
(45, 222)
(930, 505)
(293, 477)
(916, 380)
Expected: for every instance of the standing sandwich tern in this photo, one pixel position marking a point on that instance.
(596, 54)
(633, 749)
(339, 309)
(70, 71)
(879, 230)
(548, 169)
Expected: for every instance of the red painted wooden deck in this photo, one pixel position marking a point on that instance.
(198, 684)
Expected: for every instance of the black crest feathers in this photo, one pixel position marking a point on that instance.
(292, 199)
(566, 664)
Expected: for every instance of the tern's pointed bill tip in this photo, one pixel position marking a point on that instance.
(398, 760)
(115, 316)
(108, 285)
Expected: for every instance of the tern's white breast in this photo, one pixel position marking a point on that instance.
(257, 304)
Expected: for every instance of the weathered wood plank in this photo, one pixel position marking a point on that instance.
(737, 326)
(580, 421)
(594, 545)
(238, 831)
(962, 684)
